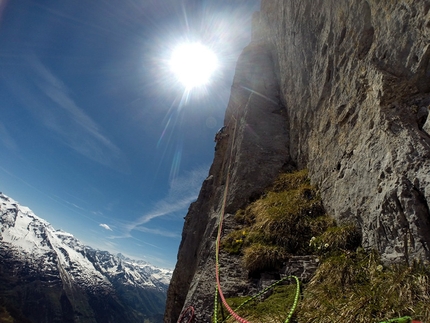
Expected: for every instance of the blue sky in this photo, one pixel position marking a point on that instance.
(97, 136)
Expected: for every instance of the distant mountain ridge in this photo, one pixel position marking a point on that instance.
(48, 275)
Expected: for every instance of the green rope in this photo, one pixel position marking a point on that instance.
(290, 313)
(216, 306)
(296, 300)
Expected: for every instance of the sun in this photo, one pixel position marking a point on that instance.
(193, 64)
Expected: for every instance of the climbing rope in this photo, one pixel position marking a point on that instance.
(218, 290)
(293, 307)
(405, 319)
(187, 315)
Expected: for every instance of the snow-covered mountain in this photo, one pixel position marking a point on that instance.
(83, 279)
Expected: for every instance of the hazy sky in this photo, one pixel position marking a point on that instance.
(96, 134)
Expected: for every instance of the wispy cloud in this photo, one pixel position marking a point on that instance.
(76, 128)
(71, 206)
(159, 232)
(128, 235)
(105, 226)
(182, 192)
(49, 99)
(5, 138)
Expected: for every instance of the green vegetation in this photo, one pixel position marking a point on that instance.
(350, 285)
(274, 308)
(345, 237)
(279, 224)
(357, 287)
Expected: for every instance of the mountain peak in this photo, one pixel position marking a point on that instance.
(30, 245)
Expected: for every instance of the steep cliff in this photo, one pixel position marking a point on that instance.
(341, 88)
(355, 76)
(253, 149)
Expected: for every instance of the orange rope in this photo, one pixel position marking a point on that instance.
(219, 289)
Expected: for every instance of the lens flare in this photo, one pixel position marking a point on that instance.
(193, 64)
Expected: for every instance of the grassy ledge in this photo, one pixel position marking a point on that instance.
(350, 285)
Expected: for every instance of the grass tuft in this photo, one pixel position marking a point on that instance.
(274, 308)
(279, 224)
(356, 287)
(5, 316)
(346, 238)
(258, 257)
(291, 181)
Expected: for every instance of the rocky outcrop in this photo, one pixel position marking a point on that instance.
(343, 89)
(355, 77)
(253, 149)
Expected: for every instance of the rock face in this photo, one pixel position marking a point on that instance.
(355, 77)
(343, 89)
(252, 150)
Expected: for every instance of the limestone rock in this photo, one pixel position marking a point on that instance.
(339, 87)
(250, 155)
(355, 78)
(303, 267)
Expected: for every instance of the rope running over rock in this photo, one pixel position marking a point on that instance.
(218, 288)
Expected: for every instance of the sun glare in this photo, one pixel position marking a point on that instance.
(193, 64)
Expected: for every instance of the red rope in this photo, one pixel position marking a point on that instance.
(237, 317)
(232, 313)
(190, 311)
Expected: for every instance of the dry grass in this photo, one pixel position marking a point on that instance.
(259, 257)
(279, 224)
(290, 181)
(346, 238)
(356, 287)
(273, 309)
(350, 285)
(5, 317)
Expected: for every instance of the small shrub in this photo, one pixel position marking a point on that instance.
(258, 257)
(233, 242)
(343, 237)
(244, 217)
(291, 181)
(335, 238)
(320, 224)
(255, 237)
(284, 218)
